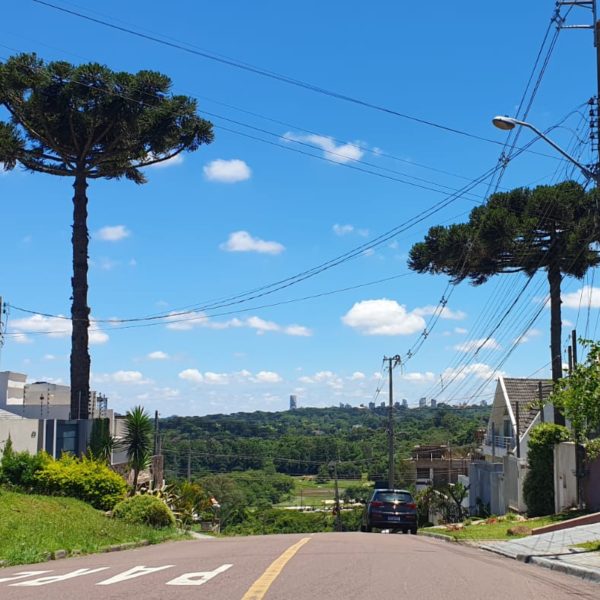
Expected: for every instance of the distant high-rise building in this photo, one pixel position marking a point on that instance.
(396, 405)
(382, 405)
(293, 402)
(404, 403)
(422, 402)
(371, 405)
(433, 403)
(483, 403)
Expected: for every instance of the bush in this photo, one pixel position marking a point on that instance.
(20, 468)
(145, 510)
(86, 479)
(538, 488)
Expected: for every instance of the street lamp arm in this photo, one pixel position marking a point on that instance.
(508, 123)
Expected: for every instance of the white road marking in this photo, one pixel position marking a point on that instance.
(198, 578)
(22, 575)
(57, 578)
(133, 573)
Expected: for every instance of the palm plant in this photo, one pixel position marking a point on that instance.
(137, 441)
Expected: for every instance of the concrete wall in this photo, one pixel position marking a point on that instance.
(25, 434)
(12, 389)
(565, 480)
(515, 470)
(487, 486)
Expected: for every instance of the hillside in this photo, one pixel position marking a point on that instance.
(301, 441)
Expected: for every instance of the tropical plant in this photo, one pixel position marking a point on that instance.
(137, 441)
(550, 227)
(102, 443)
(88, 122)
(144, 510)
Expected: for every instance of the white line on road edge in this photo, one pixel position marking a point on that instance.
(22, 575)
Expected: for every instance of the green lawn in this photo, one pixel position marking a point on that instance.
(307, 492)
(32, 526)
(591, 546)
(499, 530)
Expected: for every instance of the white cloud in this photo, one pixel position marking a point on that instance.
(158, 355)
(227, 171)
(216, 378)
(261, 326)
(342, 229)
(383, 317)
(529, 335)
(191, 375)
(585, 296)
(416, 376)
(477, 370)
(54, 327)
(461, 330)
(483, 344)
(112, 233)
(446, 313)
(340, 153)
(49, 357)
(268, 377)
(170, 162)
(242, 241)
(357, 376)
(125, 377)
(20, 338)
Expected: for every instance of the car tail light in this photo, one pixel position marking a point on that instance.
(376, 504)
(412, 505)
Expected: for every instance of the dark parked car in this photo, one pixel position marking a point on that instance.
(390, 509)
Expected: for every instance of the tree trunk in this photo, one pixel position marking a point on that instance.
(80, 312)
(554, 279)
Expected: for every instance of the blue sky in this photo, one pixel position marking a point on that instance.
(240, 214)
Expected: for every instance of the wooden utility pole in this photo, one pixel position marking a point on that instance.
(338, 509)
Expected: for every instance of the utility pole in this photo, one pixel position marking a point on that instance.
(189, 461)
(574, 345)
(155, 432)
(392, 362)
(338, 510)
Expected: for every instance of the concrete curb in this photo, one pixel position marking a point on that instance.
(576, 570)
(439, 536)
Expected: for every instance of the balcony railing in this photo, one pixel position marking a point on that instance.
(500, 441)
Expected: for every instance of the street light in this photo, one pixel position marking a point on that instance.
(508, 123)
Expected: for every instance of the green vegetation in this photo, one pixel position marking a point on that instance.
(145, 510)
(299, 442)
(538, 488)
(32, 526)
(87, 122)
(497, 528)
(550, 227)
(86, 479)
(590, 546)
(137, 441)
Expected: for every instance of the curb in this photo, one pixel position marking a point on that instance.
(440, 536)
(577, 571)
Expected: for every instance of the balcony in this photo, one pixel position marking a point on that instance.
(499, 445)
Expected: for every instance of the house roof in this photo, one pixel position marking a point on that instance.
(525, 393)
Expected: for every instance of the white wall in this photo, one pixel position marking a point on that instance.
(24, 434)
(565, 480)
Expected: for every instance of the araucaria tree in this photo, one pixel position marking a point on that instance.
(88, 122)
(554, 228)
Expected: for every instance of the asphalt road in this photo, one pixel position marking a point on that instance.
(294, 567)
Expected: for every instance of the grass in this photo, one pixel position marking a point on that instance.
(32, 526)
(499, 530)
(593, 546)
(307, 492)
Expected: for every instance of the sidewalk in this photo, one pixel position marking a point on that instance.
(554, 551)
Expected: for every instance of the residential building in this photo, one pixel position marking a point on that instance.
(293, 402)
(436, 466)
(497, 479)
(422, 402)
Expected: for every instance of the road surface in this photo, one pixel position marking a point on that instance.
(328, 566)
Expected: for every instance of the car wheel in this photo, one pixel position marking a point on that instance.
(414, 531)
(363, 528)
(368, 528)
(405, 530)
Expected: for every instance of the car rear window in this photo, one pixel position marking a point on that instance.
(393, 497)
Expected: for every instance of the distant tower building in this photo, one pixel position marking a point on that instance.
(433, 403)
(293, 402)
(382, 405)
(404, 403)
(422, 402)
(371, 405)
(483, 403)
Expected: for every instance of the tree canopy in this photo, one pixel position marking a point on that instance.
(89, 122)
(554, 228)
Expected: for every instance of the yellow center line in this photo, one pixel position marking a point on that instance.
(260, 587)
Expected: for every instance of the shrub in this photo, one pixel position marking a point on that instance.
(538, 488)
(145, 510)
(86, 479)
(20, 468)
